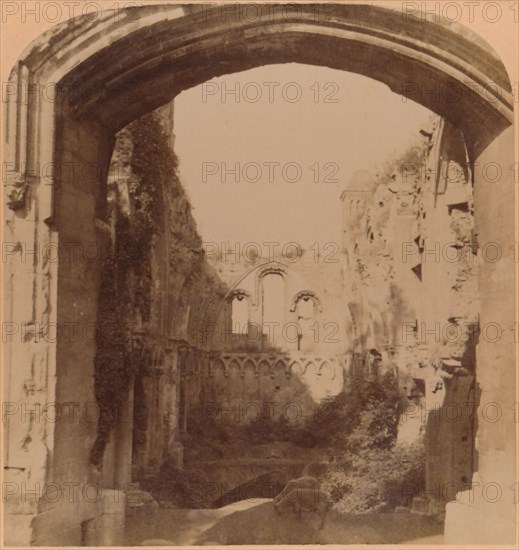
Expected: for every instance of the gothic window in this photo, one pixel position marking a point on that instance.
(273, 302)
(305, 307)
(240, 313)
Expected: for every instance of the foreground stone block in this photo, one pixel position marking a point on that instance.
(108, 528)
(467, 522)
(18, 530)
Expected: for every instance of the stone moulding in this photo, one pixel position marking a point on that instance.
(289, 364)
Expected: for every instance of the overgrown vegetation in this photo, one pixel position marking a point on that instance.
(152, 165)
(176, 487)
(355, 433)
(368, 480)
(363, 417)
(112, 372)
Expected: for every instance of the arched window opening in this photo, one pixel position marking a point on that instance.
(273, 304)
(240, 314)
(305, 308)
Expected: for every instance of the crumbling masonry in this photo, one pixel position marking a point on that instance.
(63, 193)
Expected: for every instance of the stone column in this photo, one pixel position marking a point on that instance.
(123, 442)
(107, 529)
(487, 514)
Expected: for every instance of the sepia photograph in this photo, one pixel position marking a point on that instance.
(259, 274)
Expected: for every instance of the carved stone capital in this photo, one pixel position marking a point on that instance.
(16, 197)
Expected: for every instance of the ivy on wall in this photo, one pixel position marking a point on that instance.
(111, 372)
(126, 277)
(153, 229)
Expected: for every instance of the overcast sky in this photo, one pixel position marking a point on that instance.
(300, 131)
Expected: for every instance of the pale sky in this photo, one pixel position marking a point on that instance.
(272, 136)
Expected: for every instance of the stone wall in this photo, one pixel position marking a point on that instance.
(496, 357)
(291, 362)
(163, 289)
(448, 326)
(410, 242)
(310, 318)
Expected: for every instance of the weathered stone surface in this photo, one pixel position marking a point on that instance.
(434, 276)
(18, 530)
(181, 46)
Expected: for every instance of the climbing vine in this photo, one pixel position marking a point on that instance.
(110, 364)
(126, 277)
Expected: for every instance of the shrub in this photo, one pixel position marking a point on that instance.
(266, 429)
(377, 480)
(181, 488)
(364, 417)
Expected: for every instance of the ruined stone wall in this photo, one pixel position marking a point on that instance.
(449, 325)
(378, 212)
(163, 290)
(493, 518)
(312, 287)
(293, 362)
(409, 238)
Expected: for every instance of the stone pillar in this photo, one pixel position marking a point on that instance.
(18, 517)
(123, 442)
(107, 529)
(486, 514)
(174, 449)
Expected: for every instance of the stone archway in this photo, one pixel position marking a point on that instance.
(57, 159)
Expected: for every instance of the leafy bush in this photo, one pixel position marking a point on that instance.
(353, 439)
(364, 417)
(266, 429)
(377, 480)
(177, 487)
(371, 472)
